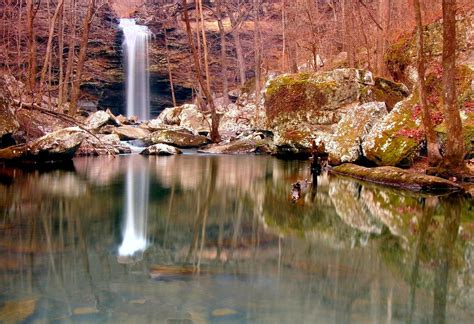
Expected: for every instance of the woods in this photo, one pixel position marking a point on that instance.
(62, 49)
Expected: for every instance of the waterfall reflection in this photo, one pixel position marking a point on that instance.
(137, 185)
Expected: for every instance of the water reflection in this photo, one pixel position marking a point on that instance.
(228, 244)
(136, 210)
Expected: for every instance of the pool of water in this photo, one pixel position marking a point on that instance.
(198, 239)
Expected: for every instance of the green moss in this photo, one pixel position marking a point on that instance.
(389, 92)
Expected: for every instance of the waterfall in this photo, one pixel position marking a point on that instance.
(138, 77)
(136, 208)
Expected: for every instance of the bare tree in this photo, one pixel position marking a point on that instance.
(76, 88)
(215, 137)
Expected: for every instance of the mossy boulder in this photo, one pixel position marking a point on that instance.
(352, 130)
(300, 105)
(180, 139)
(396, 136)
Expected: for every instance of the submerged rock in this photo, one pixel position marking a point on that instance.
(176, 138)
(161, 149)
(59, 145)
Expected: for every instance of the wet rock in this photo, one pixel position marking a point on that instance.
(176, 138)
(396, 177)
(59, 145)
(351, 132)
(97, 120)
(128, 132)
(161, 149)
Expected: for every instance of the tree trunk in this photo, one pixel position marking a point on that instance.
(225, 84)
(47, 58)
(204, 46)
(454, 157)
(256, 5)
(64, 88)
(434, 156)
(215, 122)
(32, 46)
(76, 87)
(170, 72)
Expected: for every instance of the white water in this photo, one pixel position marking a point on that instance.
(137, 78)
(136, 208)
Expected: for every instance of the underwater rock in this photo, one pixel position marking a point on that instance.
(161, 149)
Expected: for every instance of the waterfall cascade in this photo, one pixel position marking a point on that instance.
(137, 72)
(136, 209)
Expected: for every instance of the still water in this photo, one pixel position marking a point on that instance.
(198, 239)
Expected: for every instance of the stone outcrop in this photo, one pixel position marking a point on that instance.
(300, 106)
(161, 150)
(256, 143)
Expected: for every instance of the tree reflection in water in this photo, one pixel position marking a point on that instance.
(223, 234)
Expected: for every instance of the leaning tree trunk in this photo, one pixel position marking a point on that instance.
(215, 122)
(434, 156)
(454, 157)
(76, 88)
(225, 83)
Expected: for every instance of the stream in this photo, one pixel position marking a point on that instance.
(200, 238)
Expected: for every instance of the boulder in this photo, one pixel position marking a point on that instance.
(396, 136)
(240, 146)
(192, 118)
(300, 105)
(161, 149)
(129, 132)
(97, 120)
(176, 138)
(58, 145)
(351, 131)
(102, 144)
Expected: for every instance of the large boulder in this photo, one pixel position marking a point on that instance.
(254, 143)
(300, 105)
(59, 145)
(102, 144)
(352, 130)
(186, 116)
(180, 139)
(161, 150)
(129, 132)
(97, 120)
(395, 137)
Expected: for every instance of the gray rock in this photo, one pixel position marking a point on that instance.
(161, 149)
(176, 138)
